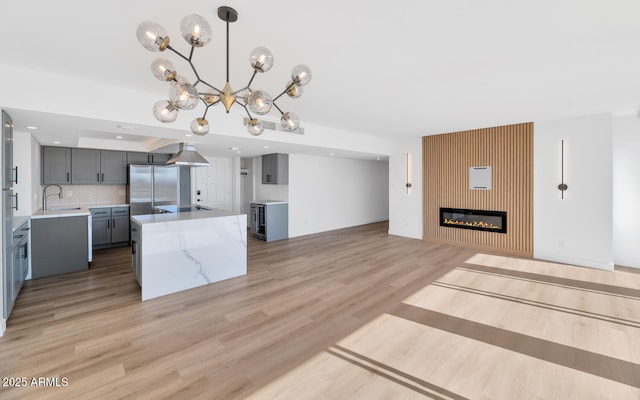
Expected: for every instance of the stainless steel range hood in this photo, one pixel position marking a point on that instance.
(188, 156)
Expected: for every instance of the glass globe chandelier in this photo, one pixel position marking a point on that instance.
(184, 95)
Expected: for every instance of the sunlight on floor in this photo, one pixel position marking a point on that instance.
(495, 327)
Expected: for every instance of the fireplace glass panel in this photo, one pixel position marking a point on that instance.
(483, 220)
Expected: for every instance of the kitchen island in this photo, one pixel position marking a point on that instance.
(179, 251)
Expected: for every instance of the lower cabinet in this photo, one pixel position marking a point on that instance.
(59, 245)
(18, 267)
(110, 226)
(136, 251)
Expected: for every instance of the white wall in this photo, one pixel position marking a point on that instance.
(327, 193)
(626, 191)
(577, 230)
(405, 209)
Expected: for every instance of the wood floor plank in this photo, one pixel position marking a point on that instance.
(318, 317)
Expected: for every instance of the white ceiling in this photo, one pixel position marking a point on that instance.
(416, 68)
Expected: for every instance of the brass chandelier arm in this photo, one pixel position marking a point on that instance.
(248, 84)
(284, 91)
(211, 86)
(277, 108)
(245, 108)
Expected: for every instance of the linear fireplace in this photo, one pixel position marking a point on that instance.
(481, 220)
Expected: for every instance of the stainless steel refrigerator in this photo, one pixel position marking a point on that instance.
(157, 185)
(9, 203)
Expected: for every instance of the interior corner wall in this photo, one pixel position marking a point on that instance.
(577, 229)
(626, 191)
(405, 209)
(446, 162)
(327, 193)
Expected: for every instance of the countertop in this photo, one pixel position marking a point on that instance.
(182, 216)
(268, 202)
(70, 210)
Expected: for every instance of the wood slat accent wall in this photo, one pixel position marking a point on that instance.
(446, 161)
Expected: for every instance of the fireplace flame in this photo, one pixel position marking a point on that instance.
(477, 224)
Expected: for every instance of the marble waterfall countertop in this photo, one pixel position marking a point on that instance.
(188, 249)
(265, 202)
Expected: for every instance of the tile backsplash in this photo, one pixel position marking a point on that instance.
(87, 195)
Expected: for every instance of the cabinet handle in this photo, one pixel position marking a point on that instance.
(16, 206)
(98, 177)
(15, 180)
(102, 180)
(114, 223)
(133, 247)
(67, 177)
(109, 223)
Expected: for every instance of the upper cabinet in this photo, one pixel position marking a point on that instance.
(275, 169)
(147, 158)
(113, 167)
(65, 166)
(56, 165)
(95, 167)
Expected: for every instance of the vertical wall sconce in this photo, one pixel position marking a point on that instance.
(562, 186)
(409, 161)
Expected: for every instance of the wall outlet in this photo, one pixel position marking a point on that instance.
(69, 193)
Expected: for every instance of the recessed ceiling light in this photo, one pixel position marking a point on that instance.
(378, 158)
(188, 135)
(331, 154)
(238, 152)
(118, 137)
(234, 148)
(265, 147)
(56, 142)
(33, 128)
(128, 127)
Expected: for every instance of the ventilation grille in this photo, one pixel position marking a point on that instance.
(272, 126)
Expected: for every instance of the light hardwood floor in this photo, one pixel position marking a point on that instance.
(353, 313)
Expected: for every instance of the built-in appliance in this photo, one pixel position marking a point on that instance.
(269, 220)
(9, 204)
(480, 220)
(157, 185)
(176, 209)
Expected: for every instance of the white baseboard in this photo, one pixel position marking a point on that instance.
(3, 326)
(608, 266)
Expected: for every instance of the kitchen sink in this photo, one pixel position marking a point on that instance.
(64, 208)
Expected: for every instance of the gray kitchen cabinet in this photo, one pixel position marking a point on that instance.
(275, 169)
(85, 166)
(94, 167)
(136, 251)
(113, 167)
(59, 245)
(147, 158)
(120, 225)
(269, 221)
(100, 226)
(20, 259)
(56, 165)
(110, 226)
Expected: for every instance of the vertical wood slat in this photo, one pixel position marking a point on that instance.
(446, 161)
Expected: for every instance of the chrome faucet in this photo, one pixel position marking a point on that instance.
(44, 196)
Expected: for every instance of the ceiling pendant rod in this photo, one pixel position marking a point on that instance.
(227, 46)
